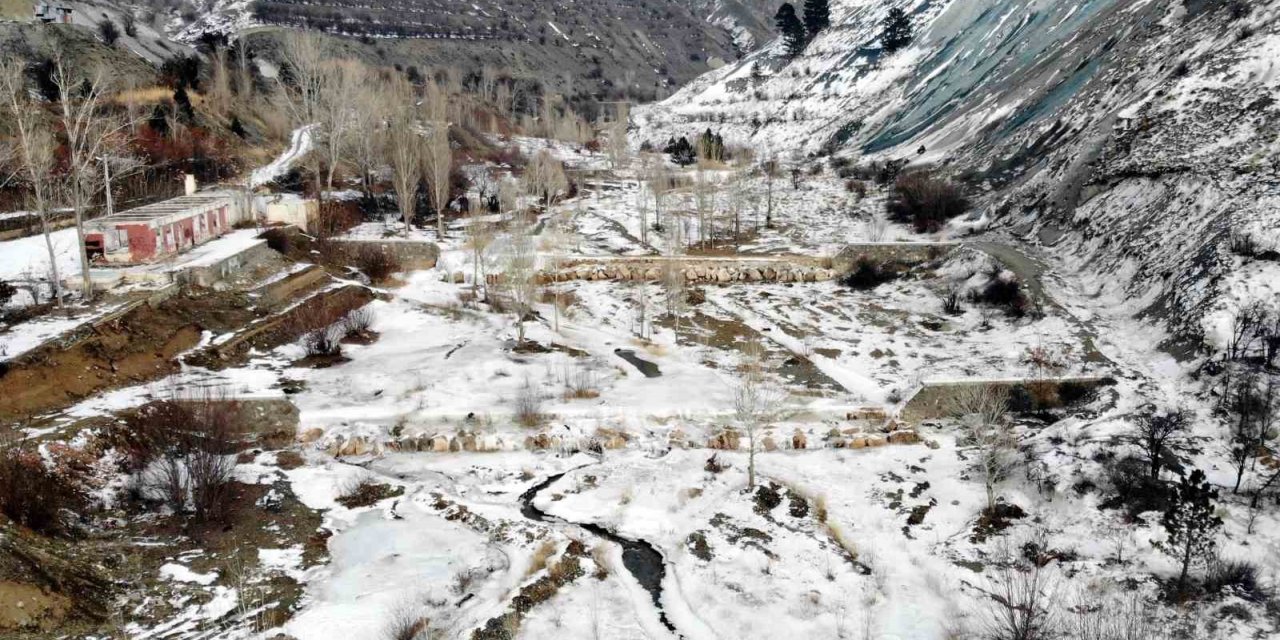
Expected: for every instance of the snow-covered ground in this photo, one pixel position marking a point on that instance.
(866, 542)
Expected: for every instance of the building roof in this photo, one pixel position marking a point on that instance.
(175, 207)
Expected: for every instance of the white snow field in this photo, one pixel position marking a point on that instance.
(611, 518)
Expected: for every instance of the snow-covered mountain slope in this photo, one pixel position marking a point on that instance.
(1134, 136)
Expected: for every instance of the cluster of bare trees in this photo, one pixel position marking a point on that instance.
(91, 133)
(369, 118)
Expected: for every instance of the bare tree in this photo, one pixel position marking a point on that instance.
(371, 111)
(34, 153)
(619, 152)
(1252, 412)
(479, 238)
(755, 399)
(344, 82)
(402, 149)
(982, 410)
(305, 56)
(520, 274)
(545, 178)
(704, 196)
(1112, 617)
(659, 183)
(1247, 326)
(1019, 593)
(769, 168)
(91, 133)
(509, 196)
(437, 162)
(1159, 433)
(673, 278)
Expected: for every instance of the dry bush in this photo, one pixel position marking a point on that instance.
(364, 491)
(528, 405)
(373, 262)
(582, 382)
(185, 450)
(324, 342)
(925, 202)
(358, 321)
(406, 624)
(600, 556)
(541, 557)
(32, 494)
(336, 218)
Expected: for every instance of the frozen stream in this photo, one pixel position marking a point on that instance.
(644, 562)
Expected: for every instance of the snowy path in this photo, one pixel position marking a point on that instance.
(299, 145)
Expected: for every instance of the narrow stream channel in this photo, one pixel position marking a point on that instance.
(644, 562)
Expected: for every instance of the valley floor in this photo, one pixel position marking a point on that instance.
(494, 529)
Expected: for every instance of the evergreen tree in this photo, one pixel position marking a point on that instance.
(238, 128)
(817, 16)
(791, 28)
(158, 121)
(1191, 523)
(681, 152)
(897, 31)
(183, 102)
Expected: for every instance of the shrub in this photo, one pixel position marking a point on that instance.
(528, 405)
(358, 321)
(187, 447)
(951, 302)
(375, 263)
(1005, 293)
(337, 217)
(1135, 491)
(365, 491)
(278, 239)
(1071, 392)
(867, 275)
(1237, 577)
(31, 494)
(322, 342)
(108, 32)
(130, 24)
(925, 202)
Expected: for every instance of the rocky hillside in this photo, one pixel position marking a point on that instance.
(1134, 138)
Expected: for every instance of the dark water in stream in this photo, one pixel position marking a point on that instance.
(641, 560)
(649, 369)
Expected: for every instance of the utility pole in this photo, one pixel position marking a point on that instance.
(106, 177)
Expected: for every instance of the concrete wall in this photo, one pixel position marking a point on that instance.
(208, 275)
(410, 254)
(285, 289)
(934, 400)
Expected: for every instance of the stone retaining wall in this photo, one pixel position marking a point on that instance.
(788, 269)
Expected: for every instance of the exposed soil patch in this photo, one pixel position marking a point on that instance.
(140, 346)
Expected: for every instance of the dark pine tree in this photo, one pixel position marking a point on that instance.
(158, 121)
(238, 128)
(897, 30)
(183, 101)
(817, 16)
(791, 28)
(1191, 524)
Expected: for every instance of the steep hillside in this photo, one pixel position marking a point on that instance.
(640, 49)
(1133, 137)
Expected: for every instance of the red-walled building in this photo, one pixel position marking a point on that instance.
(160, 230)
